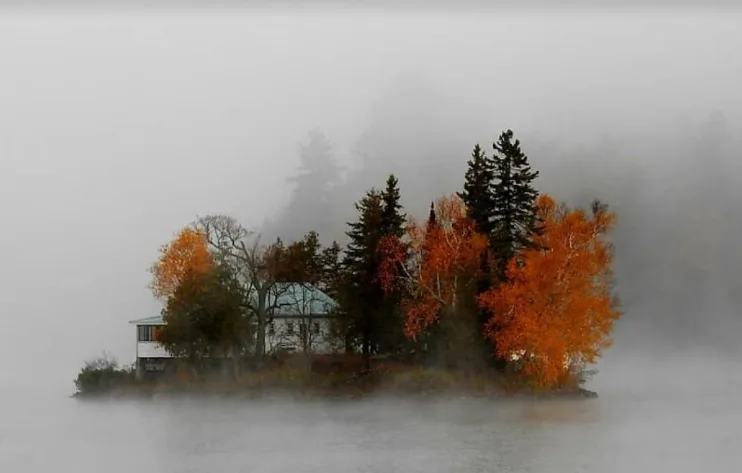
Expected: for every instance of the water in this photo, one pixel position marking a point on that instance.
(622, 431)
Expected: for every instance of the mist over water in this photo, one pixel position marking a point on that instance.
(611, 434)
(118, 128)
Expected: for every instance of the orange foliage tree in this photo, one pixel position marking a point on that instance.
(187, 253)
(557, 307)
(432, 264)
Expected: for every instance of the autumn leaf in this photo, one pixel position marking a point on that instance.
(432, 264)
(558, 304)
(187, 253)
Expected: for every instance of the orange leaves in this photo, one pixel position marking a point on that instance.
(433, 265)
(187, 253)
(557, 306)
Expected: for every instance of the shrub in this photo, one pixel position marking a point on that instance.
(101, 374)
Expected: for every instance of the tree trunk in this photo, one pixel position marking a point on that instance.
(236, 362)
(366, 352)
(262, 317)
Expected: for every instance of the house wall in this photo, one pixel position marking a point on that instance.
(319, 343)
(151, 350)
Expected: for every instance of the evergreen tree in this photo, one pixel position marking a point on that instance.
(332, 270)
(514, 218)
(478, 192)
(313, 200)
(390, 319)
(364, 296)
(391, 214)
(479, 198)
(432, 219)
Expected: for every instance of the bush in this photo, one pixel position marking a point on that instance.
(101, 375)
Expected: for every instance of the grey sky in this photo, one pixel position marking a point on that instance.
(117, 129)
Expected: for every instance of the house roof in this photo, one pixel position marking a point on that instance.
(156, 320)
(294, 299)
(286, 300)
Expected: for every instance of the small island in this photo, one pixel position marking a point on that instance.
(500, 291)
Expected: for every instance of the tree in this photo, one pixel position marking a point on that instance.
(257, 267)
(479, 198)
(478, 193)
(390, 320)
(364, 296)
(332, 278)
(334, 284)
(432, 219)
(187, 253)
(313, 200)
(514, 219)
(392, 218)
(557, 306)
(436, 268)
(300, 261)
(205, 317)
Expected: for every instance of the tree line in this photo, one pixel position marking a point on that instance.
(497, 275)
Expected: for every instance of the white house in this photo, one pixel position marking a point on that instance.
(300, 322)
(150, 355)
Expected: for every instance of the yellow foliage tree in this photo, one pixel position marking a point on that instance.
(557, 306)
(187, 253)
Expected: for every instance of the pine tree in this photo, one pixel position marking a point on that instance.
(391, 215)
(390, 319)
(478, 193)
(514, 219)
(332, 270)
(312, 203)
(432, 219)
(361, 263)
(479, 198)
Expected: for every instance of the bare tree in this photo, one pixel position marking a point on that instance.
(255, 264)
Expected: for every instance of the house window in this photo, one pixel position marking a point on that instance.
(315, 328)
(144, 333)
(271, 329)
(290, 328)
(302, 328)
(148, 333)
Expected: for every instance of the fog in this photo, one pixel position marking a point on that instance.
(119, 127)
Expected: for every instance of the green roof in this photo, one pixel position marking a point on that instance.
(292, 299)
(156, 320)
(286, 300)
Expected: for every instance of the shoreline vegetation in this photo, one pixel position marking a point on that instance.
(334, 377)
(501, 290)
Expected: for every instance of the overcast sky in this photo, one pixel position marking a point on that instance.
(117, 128)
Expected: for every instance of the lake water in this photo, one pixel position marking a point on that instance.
(625, 430)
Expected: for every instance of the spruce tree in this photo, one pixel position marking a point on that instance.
(514, 218)
(313, 200)
(478, 196)
(478, 193)
(432, 218)
(391, 214)
(390, 319)
(361, 263)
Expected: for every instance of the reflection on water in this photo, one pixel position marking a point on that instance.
(687, 434)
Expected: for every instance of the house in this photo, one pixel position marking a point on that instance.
(150, 355)
(300, 318)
